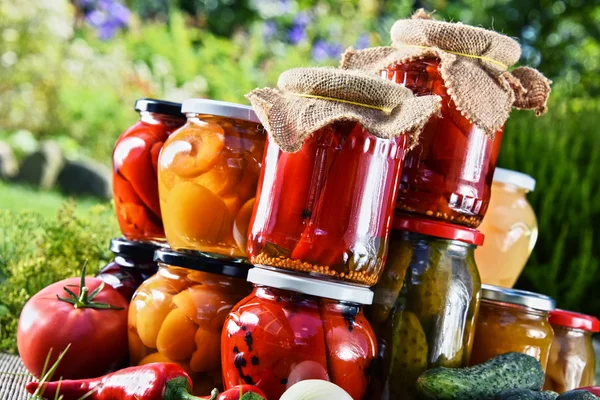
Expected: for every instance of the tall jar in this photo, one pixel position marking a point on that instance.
(572, 361)
(132, 265)
(326, 210)
(207, 175)
(425, 304)
(448, 175)
(135, 160)
(512, 320)
(178, 314)
(294, 328)
(510, 228)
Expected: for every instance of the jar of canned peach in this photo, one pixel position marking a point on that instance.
(178, 314)
(207, 176)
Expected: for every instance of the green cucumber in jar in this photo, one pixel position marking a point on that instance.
(525, 394)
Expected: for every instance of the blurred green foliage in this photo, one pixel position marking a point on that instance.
(59, 80)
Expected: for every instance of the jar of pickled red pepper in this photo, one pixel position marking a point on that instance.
(448, 175)
(326, 210)
(135, 160)
(132, 265)
(178, 314)
(510, 228)
(512, 320)
(207, 174)
(572, 361)
(425, 304)
(294, 328)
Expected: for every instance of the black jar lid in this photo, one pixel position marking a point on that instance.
(140, 252)
(202, 263)
(159, 107)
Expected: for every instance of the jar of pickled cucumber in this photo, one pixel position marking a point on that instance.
(512, 320)
(178, 314)
(510, 228)
(135, 157)
(294, 328)
(132, 265)
(207, 176)
(572, 361)
(425, 304)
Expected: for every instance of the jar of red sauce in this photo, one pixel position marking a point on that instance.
(327, 209)
(135, 160)
(132, 265)
(448, 175)
(294, 328)
(572, 361)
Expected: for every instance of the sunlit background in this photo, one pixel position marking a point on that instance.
(71, 71)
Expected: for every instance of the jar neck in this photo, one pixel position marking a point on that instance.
(418, 76)
(510, 188)
(560, 330)
(162, 119)
(454, 245)
(277, 295)
(518, 308)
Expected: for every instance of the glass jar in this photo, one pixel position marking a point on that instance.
(327, 209)
(132, 265)
(512, 320)
(293, 328)
(425, 304)
(178, 314)
(448, 175)
(572, 361)
(510, 228)
(207, 175)
(135, 158)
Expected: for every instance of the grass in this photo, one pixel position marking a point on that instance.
(15, 197)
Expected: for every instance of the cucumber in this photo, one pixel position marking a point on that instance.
(483, 381)
(525, 394)
(577, 395)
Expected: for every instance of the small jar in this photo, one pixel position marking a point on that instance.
(512, 320)
(207, 174)
(326, 210)
(135, 158)
(294, 328)
(132, 265)
(448, 175)
(510, 228)
(178, 314)
(572, 362)
(425, 304)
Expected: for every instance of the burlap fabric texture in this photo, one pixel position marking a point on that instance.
(474, 62)
(307, 99)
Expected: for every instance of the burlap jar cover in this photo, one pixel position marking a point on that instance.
(474, 64)
(307, 99)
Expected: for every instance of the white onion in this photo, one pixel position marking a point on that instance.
(315, 389)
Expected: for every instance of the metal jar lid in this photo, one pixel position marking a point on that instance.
(521, 297)
(202, 263)
(159, 107)
(138, 252)
(312, 286)
(219, 108)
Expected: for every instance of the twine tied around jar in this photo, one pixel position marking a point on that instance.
(474, 63)
(308, 99)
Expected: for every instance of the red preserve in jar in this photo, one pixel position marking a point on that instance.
(135, 160)
(326, 210)
(293, 328)
(448, 175)
(132, 265)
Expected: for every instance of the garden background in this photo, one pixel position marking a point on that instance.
(71, 71)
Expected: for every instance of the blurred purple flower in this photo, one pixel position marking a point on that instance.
(297, 33)
(363, 41)
(269, 29)
(323, 50)
(106, 16)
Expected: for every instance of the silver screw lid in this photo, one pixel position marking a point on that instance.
(521, 297)
(219, 108)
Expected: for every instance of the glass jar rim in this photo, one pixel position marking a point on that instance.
(260, 275)
(516, 178)
(199, 262)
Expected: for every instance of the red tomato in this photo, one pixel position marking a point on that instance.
(98, 337)
(235, 394)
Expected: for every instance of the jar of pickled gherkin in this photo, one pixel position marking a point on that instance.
(135, 158)
(572, 361)
(294, 328)
(425, 304)
(207, 176)
(132, 265)
(178, 314)
(512, 320)
(510, 228)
